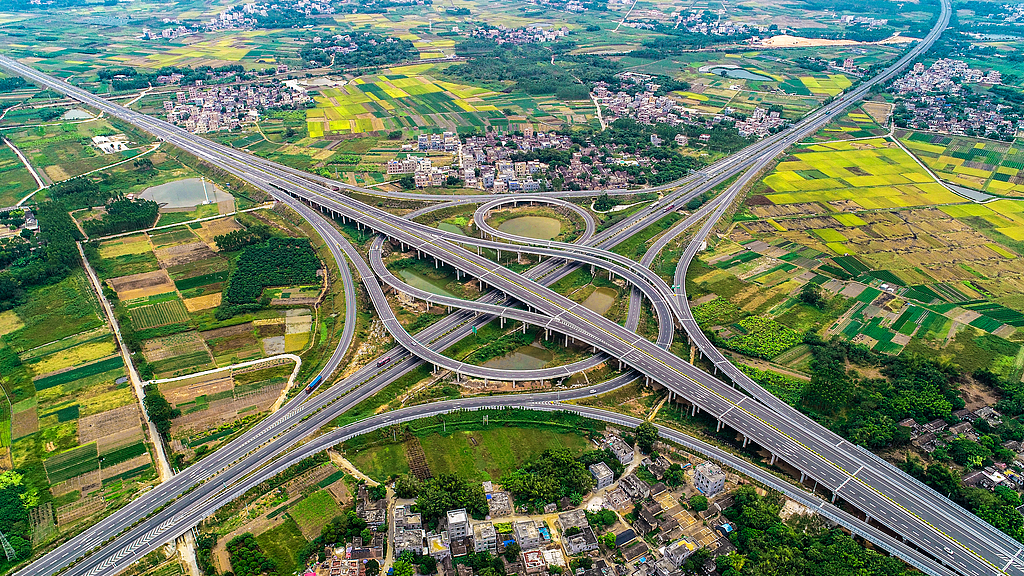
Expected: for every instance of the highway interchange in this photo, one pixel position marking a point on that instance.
(930, 522)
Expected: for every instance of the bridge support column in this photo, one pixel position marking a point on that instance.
(499, 253)
(802, 476)
(834, 497)
(547, 334)
(481, 283)
(502, 320)
(524, 327)
(745, 440)
(693, 410)
(772, 461)
(719, 427)
(566, 340)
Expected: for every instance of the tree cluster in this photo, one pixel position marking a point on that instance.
(238, 239)
(372, 50)
(449, 492)
(128, 78)
(14, 496)
(997, 507)
(529, 67)
(247, 559)
(340, 529)
(865, 411)
(124, 215)
(159, 410)
(54, 258)
(548, 477)
(277, 262)
(12, 83)
(767, 546)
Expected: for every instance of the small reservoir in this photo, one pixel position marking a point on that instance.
(736, 72)
(529, 357)
(186, 193)
(601, 300)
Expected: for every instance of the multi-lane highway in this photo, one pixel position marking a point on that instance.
(869, 484)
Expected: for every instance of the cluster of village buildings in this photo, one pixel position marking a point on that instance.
(504, 35)
(701, 22)
(655, 544)
(930, 95)
(938, 433)
(243, 16)
(945, 75)
(481, 162)
(200, 111)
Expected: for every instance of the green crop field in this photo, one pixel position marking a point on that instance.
(313, 512)
(494, 452)
(375, 103)
(159, 314)
(281, 543)
(987, 165)
(871, 173)
(78, 373)
(71, 463)
(123, 454)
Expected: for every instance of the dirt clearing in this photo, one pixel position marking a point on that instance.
(141, 285)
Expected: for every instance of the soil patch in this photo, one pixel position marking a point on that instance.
(141, 285)
(183, 254)
(203, 302)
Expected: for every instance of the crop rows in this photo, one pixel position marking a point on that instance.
(72, 375)
(160, 314)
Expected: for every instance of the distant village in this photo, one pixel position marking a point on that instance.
(531, 34)
(227, 107)
(932, 100)
(647, 108)
(661, 532)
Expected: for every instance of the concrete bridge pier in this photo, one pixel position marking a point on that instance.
(718, 428)
(745, 440)
(501, 319)
(693, 410)
(772, 461)
(802, 477)
(524, 327)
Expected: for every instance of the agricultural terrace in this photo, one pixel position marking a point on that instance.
(988, 165)
(77, 428)
(899, 263)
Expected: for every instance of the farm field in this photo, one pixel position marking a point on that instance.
(477, 456)
(406, 98)
(987, 165)
(902, 263)
(64, 150)
(864, 121)
(15, 179)
(72, 407)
